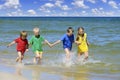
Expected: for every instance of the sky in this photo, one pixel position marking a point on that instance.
(60, 8)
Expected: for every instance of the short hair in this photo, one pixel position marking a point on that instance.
(81, 28)
(70, 28)
(36, 29)
(23, 33)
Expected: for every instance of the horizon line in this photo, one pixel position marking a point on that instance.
(59, 16)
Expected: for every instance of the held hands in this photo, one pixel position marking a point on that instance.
(78, 43)
(27, 50)
(51, 45)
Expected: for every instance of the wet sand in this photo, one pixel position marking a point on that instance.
(38, 72)
(9, 76)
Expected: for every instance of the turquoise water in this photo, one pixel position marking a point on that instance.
(103, 35)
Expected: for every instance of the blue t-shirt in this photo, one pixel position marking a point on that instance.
(67, 41)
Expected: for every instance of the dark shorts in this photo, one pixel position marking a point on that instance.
(22, 51)
(70, 48)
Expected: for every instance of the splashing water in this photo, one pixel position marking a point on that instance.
(61, 61)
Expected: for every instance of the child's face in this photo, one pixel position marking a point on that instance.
(80, 31)
(23, 37)
(70, 33)
(36, 33)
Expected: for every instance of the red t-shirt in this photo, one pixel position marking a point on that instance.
(21, 44)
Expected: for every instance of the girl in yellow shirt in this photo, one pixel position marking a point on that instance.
(82, 43)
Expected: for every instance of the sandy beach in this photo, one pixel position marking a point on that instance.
(39, 72)
(10, 76)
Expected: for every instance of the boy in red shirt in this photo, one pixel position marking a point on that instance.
(22, 45)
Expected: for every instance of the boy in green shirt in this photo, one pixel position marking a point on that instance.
(36, 41)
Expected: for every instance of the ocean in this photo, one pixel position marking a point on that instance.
(103, 34)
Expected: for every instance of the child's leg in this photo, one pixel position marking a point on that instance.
(37, 56)
(39, 60)
(86, 56)
(17, 59)
(67, 51)
(40, 54)
(20, 57)
(79, 55)
(34, 60)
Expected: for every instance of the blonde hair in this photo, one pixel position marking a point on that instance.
(36, 29)
(23, 33)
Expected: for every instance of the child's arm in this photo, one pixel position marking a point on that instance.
(57, 42)
(87, 42)
(77, 42)
(48, 43)
(27, 47)
(11, 44)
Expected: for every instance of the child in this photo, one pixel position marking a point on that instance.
(82, 43)
(36, 43)
(22, 45)
(67, 40)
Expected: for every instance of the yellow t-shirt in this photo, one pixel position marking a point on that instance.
(83, 47)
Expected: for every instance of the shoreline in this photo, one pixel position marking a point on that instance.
(36, 72)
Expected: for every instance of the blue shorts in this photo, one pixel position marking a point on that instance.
(70, 48)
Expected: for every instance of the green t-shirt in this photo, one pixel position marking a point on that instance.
(36, 43)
